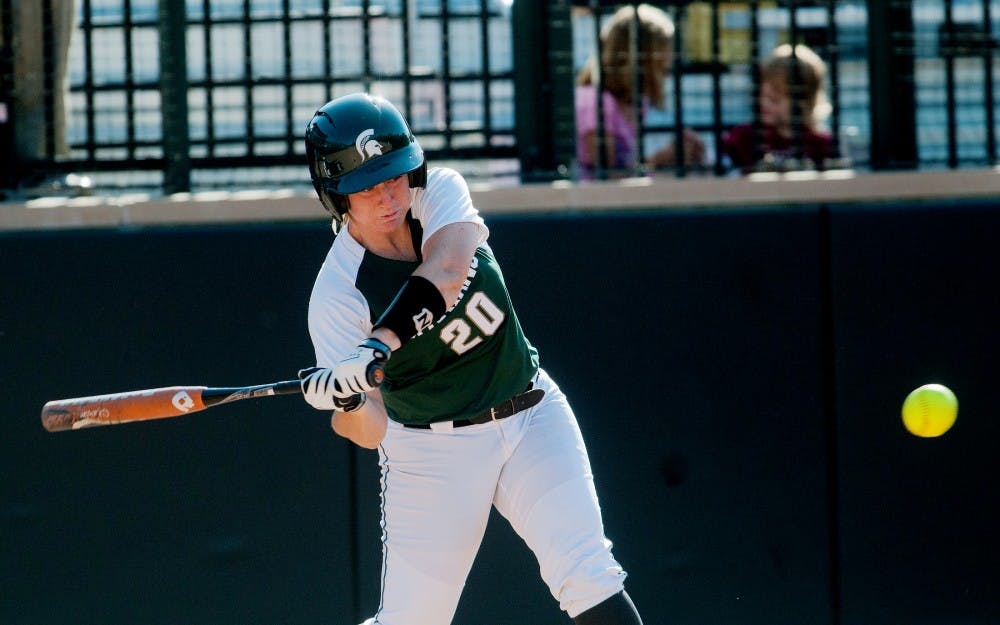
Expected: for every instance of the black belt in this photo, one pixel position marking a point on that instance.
(511, 407)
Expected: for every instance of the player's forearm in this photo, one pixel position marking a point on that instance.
(365, 426)
(447, 256)
(436, 285)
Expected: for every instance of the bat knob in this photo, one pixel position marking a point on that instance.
(375, 374)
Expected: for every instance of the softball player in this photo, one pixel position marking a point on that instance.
(465, 419)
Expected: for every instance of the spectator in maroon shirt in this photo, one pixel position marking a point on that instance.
(786, 138)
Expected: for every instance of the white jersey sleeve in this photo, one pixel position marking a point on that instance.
(445, 200)
(339, 317)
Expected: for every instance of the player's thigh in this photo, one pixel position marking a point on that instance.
(547, 493)
(549, 453)
(437, 492)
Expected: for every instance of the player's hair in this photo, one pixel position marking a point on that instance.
(803, 73)
(655, 37)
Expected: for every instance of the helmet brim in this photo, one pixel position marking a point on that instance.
(380, 169)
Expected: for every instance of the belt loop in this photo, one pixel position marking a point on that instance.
(442, 426)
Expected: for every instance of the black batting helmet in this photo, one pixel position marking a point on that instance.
(355, 142)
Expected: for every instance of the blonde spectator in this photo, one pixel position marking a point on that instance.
(616, 71)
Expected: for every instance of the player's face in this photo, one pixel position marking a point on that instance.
(383, 207)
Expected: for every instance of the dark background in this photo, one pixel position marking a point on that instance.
(751, 461)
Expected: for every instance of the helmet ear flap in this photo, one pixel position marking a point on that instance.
(335, 204)
(341, 203)
(418, 177)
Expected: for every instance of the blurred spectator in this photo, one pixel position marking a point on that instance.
(615, 74)
(792, 105)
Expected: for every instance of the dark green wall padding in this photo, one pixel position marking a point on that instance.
(737, 375)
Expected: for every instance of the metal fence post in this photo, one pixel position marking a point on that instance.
(173, 96)
(545, 128)
(892, 83)
(7, 176)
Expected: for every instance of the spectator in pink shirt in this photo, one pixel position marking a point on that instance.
(617, 69)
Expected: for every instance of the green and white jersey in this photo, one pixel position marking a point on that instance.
(474, 357)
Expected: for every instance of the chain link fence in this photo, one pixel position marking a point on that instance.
(181, 94)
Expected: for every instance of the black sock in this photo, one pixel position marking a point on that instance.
(615, 610)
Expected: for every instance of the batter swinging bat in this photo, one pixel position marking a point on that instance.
(156, 403)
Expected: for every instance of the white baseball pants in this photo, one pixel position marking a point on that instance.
(437, 490)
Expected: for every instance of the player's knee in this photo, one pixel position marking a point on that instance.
(588, 583)
(617, 609)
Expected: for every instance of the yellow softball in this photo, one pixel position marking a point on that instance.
(930, 410)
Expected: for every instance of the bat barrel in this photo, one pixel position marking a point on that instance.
(158, 403)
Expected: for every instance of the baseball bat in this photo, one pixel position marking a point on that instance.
(162, 403)
(156, 403)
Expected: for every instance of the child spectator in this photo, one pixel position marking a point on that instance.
(786, 138)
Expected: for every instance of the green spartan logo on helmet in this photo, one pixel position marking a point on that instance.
(355, 142)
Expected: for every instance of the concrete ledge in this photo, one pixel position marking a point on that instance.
(652, 193)
(750, 191)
